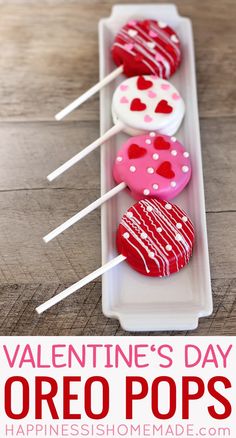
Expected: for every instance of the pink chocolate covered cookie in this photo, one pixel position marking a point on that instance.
(153, 165)
(147, 47)
(156, 237)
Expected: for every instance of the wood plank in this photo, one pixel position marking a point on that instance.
(32, 150)
(54, 57)
(222, 238)
(27, 216)
(219, 161)
(31, 207)
(82, 314)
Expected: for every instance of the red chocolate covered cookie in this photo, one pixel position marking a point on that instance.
(156, 237)
(147, 47)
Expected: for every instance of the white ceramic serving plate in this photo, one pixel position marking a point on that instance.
(142, 303)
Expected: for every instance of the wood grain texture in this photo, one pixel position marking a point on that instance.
(82, 313)
(51, 56)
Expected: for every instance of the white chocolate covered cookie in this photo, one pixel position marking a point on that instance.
(148, 103)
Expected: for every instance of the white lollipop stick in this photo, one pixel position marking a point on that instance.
(84, 212)
(89, 93)
(112, 131)
(76, 286)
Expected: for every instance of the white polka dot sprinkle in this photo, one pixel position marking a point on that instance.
(126, 235)
(184, 218)
(132, 32)
(155, 186)
(132, 168)
(155, 156)
(151, 44)
(149, 208)
(168, 247)
(168, 206)
(173, 139)
(143, 235)
(119, 159)
(148, 141)
(129, 214)
(174, 152)
(185, 169)
(152, 134)
(178, 225)
(186, 154)
(162, 25)
(174, 38)
(150, 170)
(178, 237)
(159, 229)
(173, 183)
(146, 192)
(151, 255)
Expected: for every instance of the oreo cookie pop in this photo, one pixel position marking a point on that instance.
(153, 165)
(140, 104)
(150, 165)
(140, 48)
(147, 103)
(154, 237)
(147, 47)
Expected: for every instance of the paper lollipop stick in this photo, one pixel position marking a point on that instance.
(77, 217)
(105, 137)
(154, 237)
(79, 284)
(140, 48)
(149, 165)
(139, 104)
(89, 93)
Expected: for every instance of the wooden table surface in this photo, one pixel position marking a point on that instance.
(49, 55)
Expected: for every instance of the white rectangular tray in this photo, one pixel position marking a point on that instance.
(142, 303)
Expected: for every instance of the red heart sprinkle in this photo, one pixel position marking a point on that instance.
(165, 170)
(143, 84)
(136, 151)
(161, 143)
(163, 107)
(137, 105)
